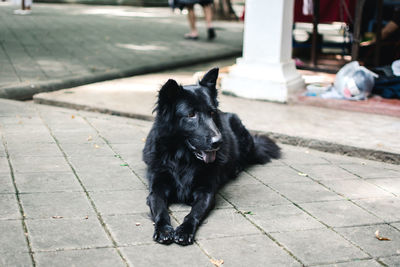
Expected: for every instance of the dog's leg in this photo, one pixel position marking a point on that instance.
(163, 231)
(203, 202)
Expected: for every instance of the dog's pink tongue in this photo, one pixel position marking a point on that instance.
(209, 157)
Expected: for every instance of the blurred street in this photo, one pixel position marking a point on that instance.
(60, 46)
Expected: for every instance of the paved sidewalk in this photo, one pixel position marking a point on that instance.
(61, 46)
(73, 193)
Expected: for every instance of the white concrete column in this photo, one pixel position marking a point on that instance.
(266, 71)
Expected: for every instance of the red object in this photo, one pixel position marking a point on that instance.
(329, 11)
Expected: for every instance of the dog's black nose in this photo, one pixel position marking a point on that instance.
(216, 141)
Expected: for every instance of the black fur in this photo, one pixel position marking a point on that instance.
(191, 151)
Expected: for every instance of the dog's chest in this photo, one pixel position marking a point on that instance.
(184, 180)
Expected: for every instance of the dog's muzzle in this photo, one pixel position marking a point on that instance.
(208, 156)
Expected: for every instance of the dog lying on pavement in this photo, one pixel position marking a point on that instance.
(191, 151)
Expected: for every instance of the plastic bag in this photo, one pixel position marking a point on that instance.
(354, 82)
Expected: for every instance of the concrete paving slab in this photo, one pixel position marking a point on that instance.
(243, 179)
(275, 174)
(15, 259)
(252, 195)
(310, 246)
(304, 192)
(355, 263)
(81, 257)
(367, 171)
(2, 150)
(121, 202)
(9, 207)
(385, 208)
(6, 184)
(131, 229)
(296, 157)
(32, 149)
(324, 172)
(396, 225)
(4, 166)
(98, 164)
(41, 182)
(56, 204)
(340, 213)
(122, 179)
(364, 237)
(282, 218)
(391, 261)
(159, 256)
(13, 238)
(254, 250)
(82, 137)
(90, 150)
(39, 164)
(356, 189)
(15, 139)
(389, 184)
(62, 234)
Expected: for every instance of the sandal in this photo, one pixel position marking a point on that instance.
(188, 36)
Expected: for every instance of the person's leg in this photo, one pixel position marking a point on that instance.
(208, 14)
(192, 23)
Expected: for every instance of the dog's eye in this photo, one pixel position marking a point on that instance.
(192, 114)
(212, 113)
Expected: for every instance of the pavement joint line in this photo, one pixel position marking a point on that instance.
(302, 209)
(346, 261)
(20, 207)
(49, 192)
(91, 201)
(397, 228)
(72, 249)
(362, 225)
(263, 232)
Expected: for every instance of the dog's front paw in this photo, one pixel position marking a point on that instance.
(164, 234)
(184, 235)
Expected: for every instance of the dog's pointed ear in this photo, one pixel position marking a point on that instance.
(169, 92)
(210, 78)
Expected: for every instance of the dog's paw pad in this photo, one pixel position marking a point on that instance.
(164, 235)
(183, 237)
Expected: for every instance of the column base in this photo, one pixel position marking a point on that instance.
(272, 82)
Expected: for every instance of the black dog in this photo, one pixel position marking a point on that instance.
(191, 151)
